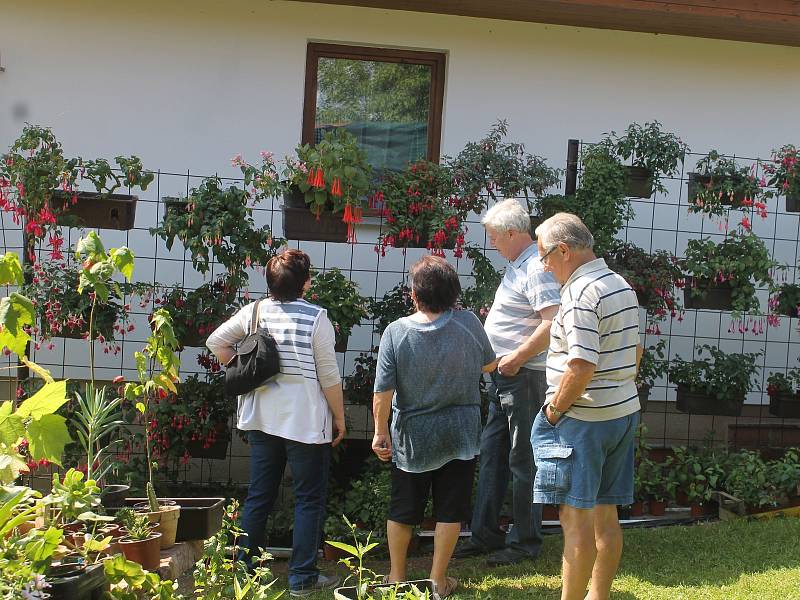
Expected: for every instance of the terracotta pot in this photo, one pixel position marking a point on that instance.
(167, 523)
(637, 509)
(549, 512)
(145, 552)
(658, 508)
(25, 527)
(682, 499)
(702, 509)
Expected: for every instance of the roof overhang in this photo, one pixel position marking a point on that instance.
(763, 21)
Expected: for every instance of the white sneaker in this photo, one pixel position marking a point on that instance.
(324, 582)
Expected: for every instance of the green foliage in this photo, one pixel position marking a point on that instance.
(785, 299)
(652, 365)
(34, 421)
(549, 205)
(784, 473)
(339, 158)
(779, 383)
(74, 496)
(698, 472)
(503, 169)
(216, 224)
(10, 269)
(17, 315)
(139, 526)
(367, 500)
(395, 304)
(129, 581)
(747, 478)
(422, 208)
(600, 200)
(784, 172)
(741, 261)
(479, 297)
(722, 182)
(359, 385)
(719, 375)
(196, 313)
(650, 147)
(339, 296)
(220, 575)
(96, 419)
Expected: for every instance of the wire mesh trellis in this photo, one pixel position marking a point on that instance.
(658, 223)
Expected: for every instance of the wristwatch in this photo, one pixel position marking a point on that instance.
(556, 413)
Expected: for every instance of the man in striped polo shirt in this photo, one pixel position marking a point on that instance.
(583, 438)
(518, 327)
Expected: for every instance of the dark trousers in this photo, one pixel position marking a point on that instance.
(506, 454)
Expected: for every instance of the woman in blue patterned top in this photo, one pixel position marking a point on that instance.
(429, 367)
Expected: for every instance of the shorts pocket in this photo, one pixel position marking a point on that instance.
(553, 469)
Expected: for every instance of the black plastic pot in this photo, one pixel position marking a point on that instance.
(341, 343)
(644, 395)
(793, 204)
(714, 296)
(700, 404)
(117, 211)
(113, 496)
(299, 223)
(217, 451)
(786, 406)
(639, 182)
(91, 584)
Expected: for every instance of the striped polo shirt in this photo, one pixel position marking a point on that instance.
(525, 290)
(291, 405)
(598, 321)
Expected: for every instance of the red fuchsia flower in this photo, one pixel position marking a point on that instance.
(118, 379)
(745, 223)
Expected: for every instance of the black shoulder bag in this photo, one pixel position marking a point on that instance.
(256, 360)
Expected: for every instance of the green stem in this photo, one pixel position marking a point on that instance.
(91, 339)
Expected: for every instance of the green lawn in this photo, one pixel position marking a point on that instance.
(734, 560)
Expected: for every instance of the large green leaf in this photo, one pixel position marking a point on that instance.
(47, 437)
(12, 426)
(16, 311)
(46, 401)
(123, 261)
(90, 247)
(43, 546)
(10, 269)
(11, 465)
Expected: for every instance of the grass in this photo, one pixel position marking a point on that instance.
(734, 560)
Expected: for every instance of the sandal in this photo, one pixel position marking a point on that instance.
(451, 583)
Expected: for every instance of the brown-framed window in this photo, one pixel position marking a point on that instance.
(391, 100)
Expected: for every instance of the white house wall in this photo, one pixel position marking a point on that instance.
(186, 85)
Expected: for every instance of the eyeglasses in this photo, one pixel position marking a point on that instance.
(548, 253)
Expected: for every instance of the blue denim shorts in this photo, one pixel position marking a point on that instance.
(583, 463)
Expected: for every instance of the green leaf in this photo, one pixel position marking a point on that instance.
(10, 269)
(12, 427)
(91, 247)
(140, 407)
(123, 261)
(343, 546)
(47, 437)
(16, 311)
(45, 545)
(46, 401)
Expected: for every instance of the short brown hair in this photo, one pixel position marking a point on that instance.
(435, 284)
(287, 273)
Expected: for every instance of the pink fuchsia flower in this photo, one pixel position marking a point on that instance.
(237, 161)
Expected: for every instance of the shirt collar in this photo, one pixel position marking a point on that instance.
(598, 264)
(524, 255)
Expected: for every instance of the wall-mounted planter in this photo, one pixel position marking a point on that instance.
(793, 204)
(299, 223)
(698, 182)
(644, 395)
(700, 404)
(216, 451)
(715, 296)
(116, 211)
(639, 182)
(786, 406)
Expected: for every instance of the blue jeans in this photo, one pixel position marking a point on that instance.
(506, 454)
(309, 464)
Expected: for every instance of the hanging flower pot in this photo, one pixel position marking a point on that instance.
(639, 182)
(299, 223)
(785, 405)
(216, 450)
(705, 294)
(702, 404)
(91, 209)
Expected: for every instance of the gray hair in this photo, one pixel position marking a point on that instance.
(565, 228)
(507, 215)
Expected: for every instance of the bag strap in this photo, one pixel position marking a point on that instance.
(254, 319)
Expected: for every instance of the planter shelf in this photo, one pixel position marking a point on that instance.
(716, 296)
(786, 406)
(299, 223)
(639, 182)
(115, 211)
(700, 404)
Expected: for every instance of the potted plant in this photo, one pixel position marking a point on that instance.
(784, 400)
(326, 189)
(652, 366)
(699, 475)
(141, 544)
(784, 176)
(39, 185)
(651, 275)
(713, 385)
(195, 422)
(422, 209)
(217, 225)
(339, 296)
(654, 485)
(784, 475)
(196, 313)
(717, 182)
(546, 206)
(359, 385)
(600, 199)
(501, 169)
(747, 480)
(785, 300)
(724, 276)
(654, 155)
